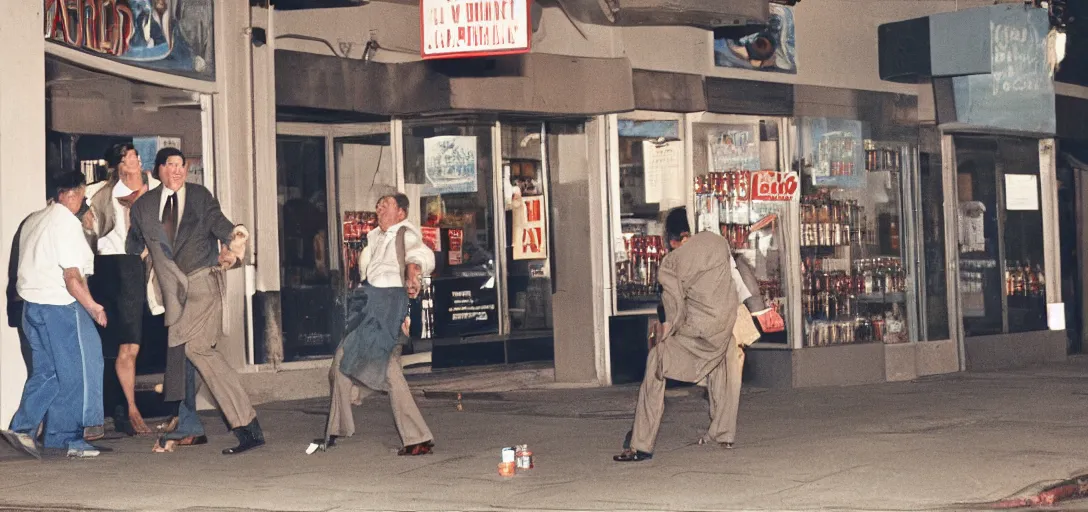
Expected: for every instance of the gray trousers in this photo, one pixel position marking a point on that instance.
(406, 415)
(200, 328)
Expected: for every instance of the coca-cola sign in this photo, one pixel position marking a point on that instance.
(774, 186)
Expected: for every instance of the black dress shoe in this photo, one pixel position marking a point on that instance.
(249, 437)
(633, 456)
(324, 444)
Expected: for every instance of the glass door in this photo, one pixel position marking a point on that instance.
(306, 289)
(364, 170)
(527, 241)
(1002, 286)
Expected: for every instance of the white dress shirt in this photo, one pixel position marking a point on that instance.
(48, 244)
(379, 263)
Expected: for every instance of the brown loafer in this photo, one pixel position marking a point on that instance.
(423, 448)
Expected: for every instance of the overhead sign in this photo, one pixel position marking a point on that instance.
(471, 28)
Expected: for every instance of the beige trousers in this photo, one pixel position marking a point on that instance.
(723, 388)
(200, 328)
(406, 415)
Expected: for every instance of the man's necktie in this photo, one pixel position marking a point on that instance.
(170, 217)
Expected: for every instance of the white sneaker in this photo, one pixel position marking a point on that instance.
(22, 442)
(81, 449)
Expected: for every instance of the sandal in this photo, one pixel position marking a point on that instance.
(633, 456)
(423, 448)
(164, 445)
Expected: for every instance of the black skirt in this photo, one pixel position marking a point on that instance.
(118, 285)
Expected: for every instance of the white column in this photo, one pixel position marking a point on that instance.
(1048, 183)
(22, 162)
(233, 119)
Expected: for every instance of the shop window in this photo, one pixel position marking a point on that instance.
(650, 182)
(855, 287)
(741, 193)
(1002, 285)
(528, 269)
(448, 177)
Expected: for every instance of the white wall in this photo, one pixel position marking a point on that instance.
(22, 163)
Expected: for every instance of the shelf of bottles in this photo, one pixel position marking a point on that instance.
(854, 284)
(1023, 279)
(637, 276)
(739, 219)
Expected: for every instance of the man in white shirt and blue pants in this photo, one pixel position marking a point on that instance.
(58, 317)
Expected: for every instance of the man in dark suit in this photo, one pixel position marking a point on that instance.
(181, 225)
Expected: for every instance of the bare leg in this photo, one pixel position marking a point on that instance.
(126, 374)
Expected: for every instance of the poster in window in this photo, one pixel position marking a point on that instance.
(530, 236)
(457, 240)
(832, 152)
(1021, 192)
(432, 238)
(449, 163)
(772, 48)
(734, 148)
(662, 171)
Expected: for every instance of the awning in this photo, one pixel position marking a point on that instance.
(533, 83)
(669, 92)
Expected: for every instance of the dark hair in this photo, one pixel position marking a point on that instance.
(64, 181)
(401, 199)
(676, 224)
(117, 152)
(164, 154)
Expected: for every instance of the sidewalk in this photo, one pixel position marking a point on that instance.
(935, 443)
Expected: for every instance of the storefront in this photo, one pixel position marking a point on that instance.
(995, 116)
(820, 201)
(480, 180)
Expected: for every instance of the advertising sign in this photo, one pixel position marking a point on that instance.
(174, 36)
(530, 238)
(774, 186)
(472, 28)
(771, 49)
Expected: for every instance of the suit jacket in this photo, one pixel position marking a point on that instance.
(195, 246)
(701, 305)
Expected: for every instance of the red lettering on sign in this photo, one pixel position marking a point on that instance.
(102, 26)
(532, 210)
(531, 239)
(773, 186)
